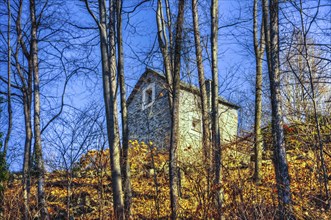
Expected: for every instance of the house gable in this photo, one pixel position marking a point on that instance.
(148, 110)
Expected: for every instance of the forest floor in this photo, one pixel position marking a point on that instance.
(86, 189)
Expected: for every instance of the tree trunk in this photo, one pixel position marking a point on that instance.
(114, 135)
(165, 46)
(216, 139)
(203, 92)
(108, 56)
(125, 137)
(27, 102)
(9, 106)
(27, 152)
(174, 136)
(280, 162)
(259, 50)
(37, 141)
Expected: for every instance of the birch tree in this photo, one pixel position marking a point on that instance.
(216, 138)
(36, 119)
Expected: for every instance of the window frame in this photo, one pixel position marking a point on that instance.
(150, 87)
(198, 127)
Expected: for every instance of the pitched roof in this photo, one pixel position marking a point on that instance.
(183, 86)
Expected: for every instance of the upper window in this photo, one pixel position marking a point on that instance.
(196, 125)
(148, 96)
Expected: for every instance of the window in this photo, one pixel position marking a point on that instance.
(148, 96)
(196, 125)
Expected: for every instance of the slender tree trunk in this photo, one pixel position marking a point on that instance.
(9, 106)
(108, 57)
(125, 137)
(37, 141)
(165, 45)
(203, 91)
(266, 23)
(114, 135)
(259, 51)
(280, 162)
(27, 109)
(27, 102)
(216, 138)
(174, 136)
(27, 153)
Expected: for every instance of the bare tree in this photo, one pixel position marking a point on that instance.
(203, 91)
(124, 113)
(174, 136)
(280, 161)
(71, 137)
(216, 137)
(37, 130)
(259, 51)
(304, 59)
(26, 90)
(108, 56)
(9, 102)
(164, 34)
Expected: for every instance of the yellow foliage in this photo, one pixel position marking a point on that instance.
(91, 197)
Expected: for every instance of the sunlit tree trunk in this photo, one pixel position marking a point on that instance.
(280, 161)
(165, 42)
(174, 136)
(9, 106)
(216, 139)
(108, 62)
(203, 92)
(259, 51)
(114, 132)
(26, 90)
(37, 138)
(124, 114)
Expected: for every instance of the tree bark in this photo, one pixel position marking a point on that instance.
(203, 92)
(9, 106)
(37, 138)
(27, 103)
(259, 51)
(280, 161)
(216, 139)
(125, 133)
(108, 57)
(114, 135)
(174, 136)
(165, 46)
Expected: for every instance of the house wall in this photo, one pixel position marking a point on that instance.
(152, 123)
(190, 138)
(228, 123)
